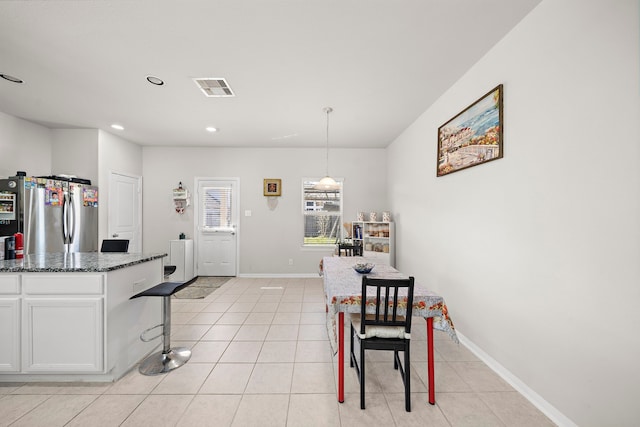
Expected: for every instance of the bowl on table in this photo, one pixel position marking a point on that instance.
(364, 268)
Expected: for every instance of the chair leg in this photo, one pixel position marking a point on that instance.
(395, 359)
(351, 348)
(407, 379)
(361, 375)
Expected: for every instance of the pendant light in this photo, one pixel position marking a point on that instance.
(327, 183)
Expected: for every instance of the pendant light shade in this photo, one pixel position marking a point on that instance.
(327, 183)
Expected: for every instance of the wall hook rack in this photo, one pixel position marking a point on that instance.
(180, 198)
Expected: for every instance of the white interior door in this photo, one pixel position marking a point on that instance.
(217, 232)
(125, 209)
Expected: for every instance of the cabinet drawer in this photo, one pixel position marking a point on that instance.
(9, 284)
(63, 284)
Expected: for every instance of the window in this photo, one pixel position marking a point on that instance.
(216, 207)
(322, 210)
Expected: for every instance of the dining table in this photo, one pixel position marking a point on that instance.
(343, 293)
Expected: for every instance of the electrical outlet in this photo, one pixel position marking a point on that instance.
(290, 261)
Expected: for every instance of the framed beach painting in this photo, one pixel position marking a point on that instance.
(472, 137)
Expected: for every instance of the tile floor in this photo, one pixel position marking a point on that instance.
(262, 357)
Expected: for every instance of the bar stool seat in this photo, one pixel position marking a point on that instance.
(169, 358)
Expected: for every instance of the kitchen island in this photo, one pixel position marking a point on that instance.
(68, 317)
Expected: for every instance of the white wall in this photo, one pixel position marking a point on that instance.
(24, 146)
(269, 237)
(75, 152)
(537, 254)
(115, 155)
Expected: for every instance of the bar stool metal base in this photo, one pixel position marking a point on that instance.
(161, 362)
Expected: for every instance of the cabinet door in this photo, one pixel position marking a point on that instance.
(10, 334)
(63, 335)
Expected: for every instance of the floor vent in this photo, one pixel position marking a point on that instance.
(214, 87)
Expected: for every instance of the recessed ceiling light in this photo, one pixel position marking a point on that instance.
(117, 126)
(155, 80)
(11, 78)
(212, 129)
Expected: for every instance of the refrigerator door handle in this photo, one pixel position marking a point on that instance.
(72, 220)
(65, 216)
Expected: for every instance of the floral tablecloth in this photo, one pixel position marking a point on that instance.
(343, 288)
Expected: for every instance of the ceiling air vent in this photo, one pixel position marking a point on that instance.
(214, 87)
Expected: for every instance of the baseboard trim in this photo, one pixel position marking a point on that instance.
(280, 275)
(536, 400)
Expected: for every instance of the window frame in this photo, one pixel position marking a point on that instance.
(305, 213)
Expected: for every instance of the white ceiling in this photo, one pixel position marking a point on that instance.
(378, 63)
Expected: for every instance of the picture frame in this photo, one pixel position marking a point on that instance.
(272, 187)
(472, 137)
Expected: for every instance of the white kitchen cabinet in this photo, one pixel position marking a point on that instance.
(10, 323)
(181, 255)
(63, 335)
(376, 240)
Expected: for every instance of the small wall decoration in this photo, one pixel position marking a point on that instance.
(472, 137)
(180, 198)
(272, 187)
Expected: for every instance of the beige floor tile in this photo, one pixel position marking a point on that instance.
(203, 318)
(190, 307)
(351, 383)
(135, 383)
(221, 333)
(262, 410)
(452, 352)
(313, 378)
(419, 351)
(252, 333)
(259, 319)
(241, 307)
(270, 378)
(8, 388)
(313, 351)
(55, 411)
(107, 411)
(208, 351)
(63, 388)
(391, 380)
(313, 410)
(290, 307)
(286, 318)
(160, 410)
(272, 298)
(208, 410)
(277, 352)
(12, 407)
(480, 377)
(422, 413)
(237, 318)
(307, 318)
(227, 378)
(227, 297)
(217, 307)
(377, 412)
(181, 318)
(282, 332)
(514, 410)
(188, 332)
(466, 410)
(241, 352)
(313, 333)
(266, 307)
(186, 379)
(314, 307)
(446, 378)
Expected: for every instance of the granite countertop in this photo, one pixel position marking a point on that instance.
(75, 262)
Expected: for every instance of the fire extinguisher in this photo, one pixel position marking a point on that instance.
(19, 245)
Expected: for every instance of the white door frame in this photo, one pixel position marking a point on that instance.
(110, 206)
(196, 222)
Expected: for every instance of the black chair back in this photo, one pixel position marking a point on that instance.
(387, 299)
(115, 245)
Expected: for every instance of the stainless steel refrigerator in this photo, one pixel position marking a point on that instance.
(55, 215)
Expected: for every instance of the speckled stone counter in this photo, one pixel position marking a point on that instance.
(90, 262)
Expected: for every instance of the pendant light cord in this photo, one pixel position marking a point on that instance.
(328, 110)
